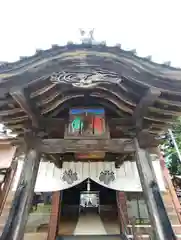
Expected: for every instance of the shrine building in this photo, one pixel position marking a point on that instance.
(88, 120)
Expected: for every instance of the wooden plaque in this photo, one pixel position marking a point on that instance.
(86, 123)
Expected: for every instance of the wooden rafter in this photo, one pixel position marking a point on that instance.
(124, 123)
(53, 123)
(119, 86)
(22, 97)
(59, 122)
(147, 140)
(118, 127)
(143, 107)
(56, 159)
(127, 121)
(20, 81)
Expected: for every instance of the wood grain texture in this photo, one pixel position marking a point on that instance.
(101, 145)
(131, 86)
(55, 215)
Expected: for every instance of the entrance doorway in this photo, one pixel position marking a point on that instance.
(89, 202)
(91, 212)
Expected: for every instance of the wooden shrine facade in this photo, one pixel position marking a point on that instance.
(140, 99)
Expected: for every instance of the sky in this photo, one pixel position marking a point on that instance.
(150, 27)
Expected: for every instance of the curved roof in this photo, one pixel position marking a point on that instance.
(116, 78)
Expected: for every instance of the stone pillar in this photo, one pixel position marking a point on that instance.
(21, 205)
(159, 219)
(122, 210)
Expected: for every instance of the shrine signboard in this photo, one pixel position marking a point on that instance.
(92, 155)
(86, 123)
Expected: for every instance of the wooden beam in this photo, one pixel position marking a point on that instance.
(57, 122)
(21, 205)
(157, 212)
(5, 102)
(171, 189)
(7, 184)
(123, 122)
(54, 123)
(55, 216)
(51, 146)
(18, 81)
(143, 107)
(147, 140)
(64, 145)
(122, 211)
(22, 97)
(115, 123)
(56, 159)
(117, 126)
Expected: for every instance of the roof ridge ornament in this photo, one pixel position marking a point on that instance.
(87, 36)
(167, 63)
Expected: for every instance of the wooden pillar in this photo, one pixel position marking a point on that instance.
(171, 189)
(21, 205)
(122, 210)
(160, 222)
(7, 184)
(55, 216)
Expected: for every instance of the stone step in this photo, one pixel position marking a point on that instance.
(89, 237)
(172, 214)
(177, 229)
(35, 236)
(170, 209)
(105, 237)
(174, 220)
(6, 209)
(147, 229)
(5, 212)
(3, 220)
(90, 224)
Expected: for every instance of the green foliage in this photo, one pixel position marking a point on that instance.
(174, 165)
(172, 160)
